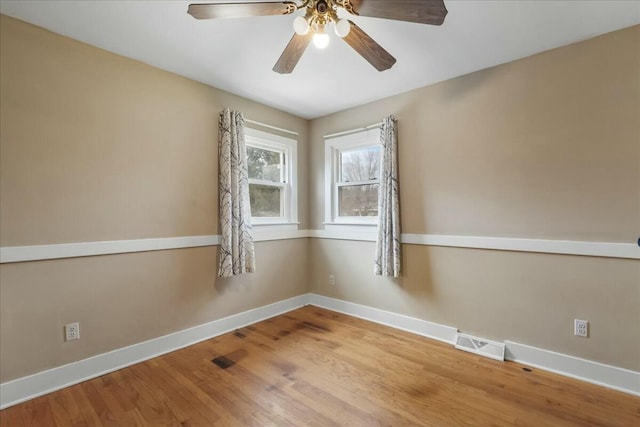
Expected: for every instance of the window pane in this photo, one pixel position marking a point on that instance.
(264, 164)
(358, 200)
(265, 200)
(360, 165)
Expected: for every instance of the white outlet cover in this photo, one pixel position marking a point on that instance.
(72, 331)
(581, 328)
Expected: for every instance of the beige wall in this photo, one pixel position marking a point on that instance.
(94, 146)
(544, 147)
(125, 299)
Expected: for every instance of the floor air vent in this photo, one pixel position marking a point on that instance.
(481, 346)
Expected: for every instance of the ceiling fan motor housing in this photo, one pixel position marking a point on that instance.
(322, 7)
(321, 12)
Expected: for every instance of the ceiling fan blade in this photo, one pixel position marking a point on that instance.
(292, 53)
(369, 49)
(239, 9)
(420, 11)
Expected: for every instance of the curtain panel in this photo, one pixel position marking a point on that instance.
(388, 248)
(236, 250)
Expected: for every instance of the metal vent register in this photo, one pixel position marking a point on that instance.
(481, 346)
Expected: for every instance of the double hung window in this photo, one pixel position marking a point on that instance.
(353, 173)
(272, 174)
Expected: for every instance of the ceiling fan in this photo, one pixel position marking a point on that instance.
(320, 13)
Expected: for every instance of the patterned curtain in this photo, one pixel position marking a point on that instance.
(388, 257)
(236, 252)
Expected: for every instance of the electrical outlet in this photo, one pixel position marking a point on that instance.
(581, 328)
(332, 280)
(72, 331)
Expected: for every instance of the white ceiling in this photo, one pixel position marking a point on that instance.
(237, 54)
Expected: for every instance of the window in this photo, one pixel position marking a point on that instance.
(353, 172)
(272, 174)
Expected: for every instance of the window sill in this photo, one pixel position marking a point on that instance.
(276, 225)
(351, 223)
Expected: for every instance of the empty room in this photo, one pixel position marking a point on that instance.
(320, 213)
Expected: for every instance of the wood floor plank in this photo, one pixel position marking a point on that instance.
(395, 395)
(218, 391)
(67, 412)
(278, 369)
(307, 370)
(37, 413)
(335, 375)
(86, 408)
(268, 387)
(106, 406)
(291, 378)
(12, 416)
(151, 400)
(391, 394)
(418, 383)
(190, 386)
(314, 367)
(177, 401)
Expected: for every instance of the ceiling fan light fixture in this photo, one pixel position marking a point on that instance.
(311, 18)
(321, 39)
(300, 25)
(342, 28)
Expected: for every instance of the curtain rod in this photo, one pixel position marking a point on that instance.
(347, 132)
(271, 127)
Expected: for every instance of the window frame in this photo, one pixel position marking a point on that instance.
(334, 147)
(289, 200)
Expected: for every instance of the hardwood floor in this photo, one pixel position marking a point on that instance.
(314, 367)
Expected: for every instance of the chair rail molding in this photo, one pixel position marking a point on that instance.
(267, 233)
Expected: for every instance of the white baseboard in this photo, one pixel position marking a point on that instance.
(32, 386)
(410, 324)
(569, 366)
(26, 388)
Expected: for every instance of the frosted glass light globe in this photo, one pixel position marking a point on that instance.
(300, 25)
(342, 28)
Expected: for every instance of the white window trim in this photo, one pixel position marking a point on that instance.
(289, 147)
(333, 147)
